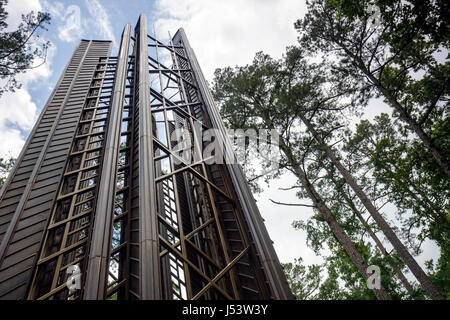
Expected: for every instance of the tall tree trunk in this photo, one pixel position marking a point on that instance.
(383, 250)
(337, 230)
(372, 234)
(438, 216)
(382, 224)
(435, 151)
(405, 116)
(441, 160)
(375, 238)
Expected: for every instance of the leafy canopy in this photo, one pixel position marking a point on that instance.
(19, 49)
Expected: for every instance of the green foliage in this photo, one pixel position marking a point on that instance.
(408, 177)
(396, 58)
(359, 61)
(440, 271)
(273, 94)
(303, 281)
(20, 48)
(338, 279)
(5, 166)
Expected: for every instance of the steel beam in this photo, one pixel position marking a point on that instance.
(149, 247)
(169, 229)
(271, 264)
(97, 269)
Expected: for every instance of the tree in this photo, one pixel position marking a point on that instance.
(295, 98)
(345, 198)
(20, 48)
(385, 59)
(303, 281)
(342, 280)
(5, 166)
(405, 176)
(376, 215)
(253, 97)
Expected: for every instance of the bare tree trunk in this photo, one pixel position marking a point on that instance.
(337, 230)
(375, 238)
(382, 224)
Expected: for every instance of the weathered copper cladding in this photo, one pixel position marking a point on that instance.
(100, 195)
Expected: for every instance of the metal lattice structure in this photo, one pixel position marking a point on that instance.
(102, 184)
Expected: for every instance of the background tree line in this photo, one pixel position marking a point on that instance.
(346, 56)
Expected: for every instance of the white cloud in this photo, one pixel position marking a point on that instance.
(72, 30)
(11, 142)
(16, 8)
(73, 24)
(101, 19)
(17, 110)
(70, 25)
(224, 33)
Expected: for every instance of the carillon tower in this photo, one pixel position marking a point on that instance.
(113, 197)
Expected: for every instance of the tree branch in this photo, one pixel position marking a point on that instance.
(431, 107)
(293, 204)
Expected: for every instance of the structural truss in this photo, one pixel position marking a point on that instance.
(113, 196)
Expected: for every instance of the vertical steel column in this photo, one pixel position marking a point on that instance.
(269, 259)
(149, 248)
(99, 249)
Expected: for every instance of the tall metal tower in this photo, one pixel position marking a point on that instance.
(104, 204)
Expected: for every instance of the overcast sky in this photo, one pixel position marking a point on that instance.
(222, 33)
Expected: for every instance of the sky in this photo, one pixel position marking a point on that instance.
(222, 33)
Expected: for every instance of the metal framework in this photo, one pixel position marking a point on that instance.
(140, 214)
